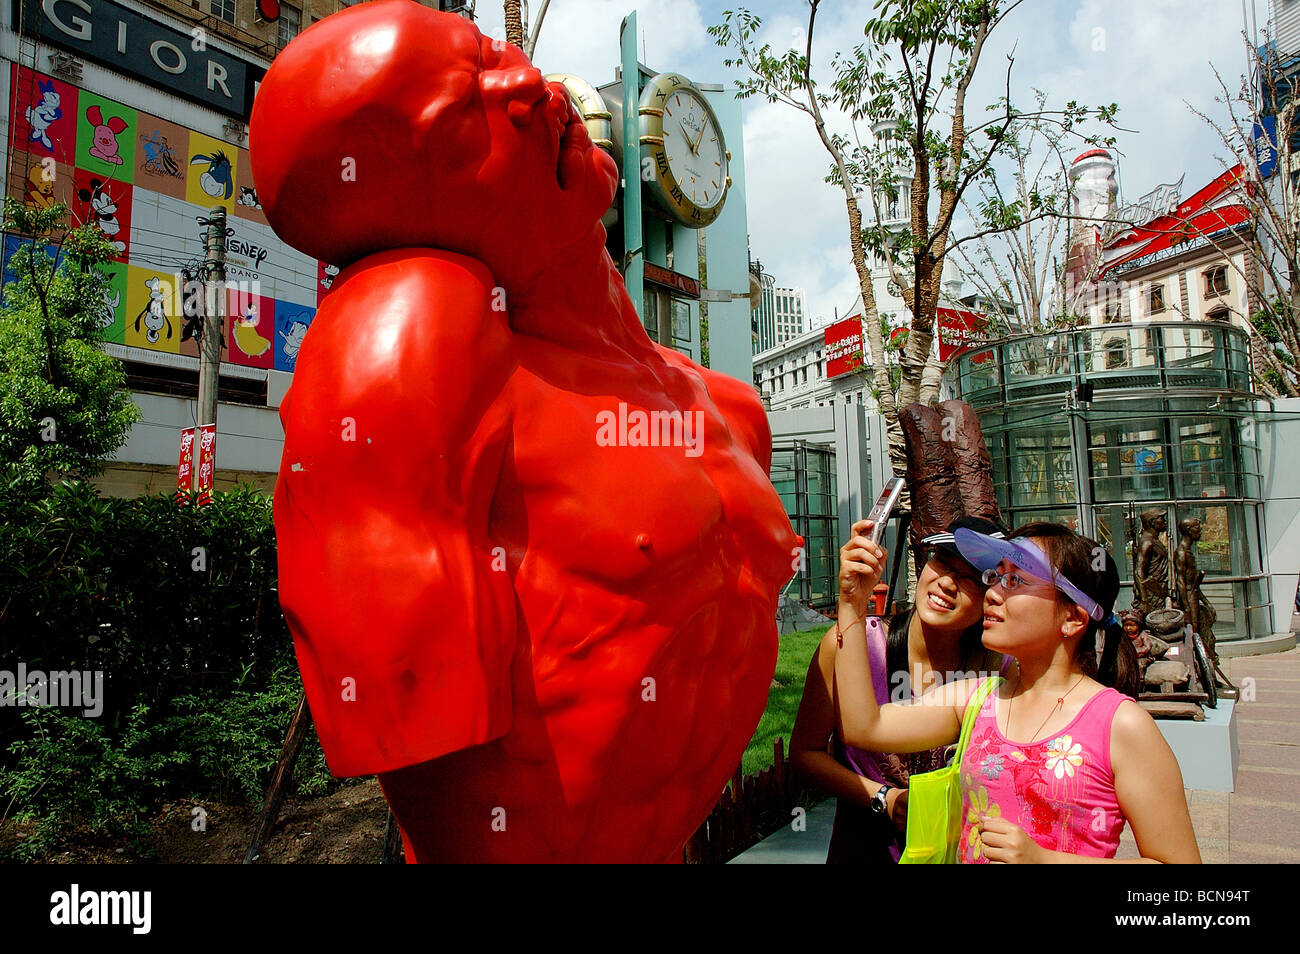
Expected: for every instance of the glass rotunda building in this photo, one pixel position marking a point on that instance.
(1094, 425)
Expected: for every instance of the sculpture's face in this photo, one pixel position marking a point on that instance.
(390, 125)
(1194, 529)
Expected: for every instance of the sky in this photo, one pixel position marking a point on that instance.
(1151, 57)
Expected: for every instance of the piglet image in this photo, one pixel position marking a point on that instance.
(105, 146)
(550, 637)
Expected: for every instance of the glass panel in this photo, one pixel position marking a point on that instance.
(650, 313)
(978, 371)
(1218, 523)
(1128, 460)
(1195, 357)
(1067, 516)
(681, 320)
(1203, 458)
(1044, 467)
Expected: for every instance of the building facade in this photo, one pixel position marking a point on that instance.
(794, 375)
(763, 314)
(789, 313)
(134, 115)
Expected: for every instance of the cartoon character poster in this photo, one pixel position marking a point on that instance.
(43, 115)
(153, 312)
(112, 313)
(161, 155)
(325, 276)
(105, 137)
(250, 326)
(105, 203)
(40, 183)
(210, 178)
(291, 324)
(247, 205)
(11, 245)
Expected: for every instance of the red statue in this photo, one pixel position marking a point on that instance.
(529, 558)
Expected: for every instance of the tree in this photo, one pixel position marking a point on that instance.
(1025, 264)
(62, 404)
(917, 67)
(516, 13)
(1260, 134)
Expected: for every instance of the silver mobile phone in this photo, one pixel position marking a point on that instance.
(884, 504)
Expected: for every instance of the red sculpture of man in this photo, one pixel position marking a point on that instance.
(550, 634)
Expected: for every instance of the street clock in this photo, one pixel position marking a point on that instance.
(686, 173)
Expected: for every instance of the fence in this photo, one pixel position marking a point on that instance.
(750, 809)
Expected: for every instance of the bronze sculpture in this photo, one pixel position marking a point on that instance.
(1200, 614)
(1151, 581)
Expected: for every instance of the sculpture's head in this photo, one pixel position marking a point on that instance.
(1190, 527)
(391, 125)
(1154, 519)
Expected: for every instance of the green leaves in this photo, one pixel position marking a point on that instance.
(63, 407)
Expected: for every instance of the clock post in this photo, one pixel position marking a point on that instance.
(633, 242)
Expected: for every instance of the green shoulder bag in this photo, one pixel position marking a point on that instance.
(934, 798)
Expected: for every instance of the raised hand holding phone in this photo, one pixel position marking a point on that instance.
(862, 563)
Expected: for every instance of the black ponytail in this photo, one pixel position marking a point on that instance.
(1119, 664)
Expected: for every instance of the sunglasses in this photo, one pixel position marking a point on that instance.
(957, 569)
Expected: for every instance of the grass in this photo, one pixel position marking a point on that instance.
(792, 660)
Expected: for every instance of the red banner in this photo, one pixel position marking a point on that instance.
(185, 468)
(957, 329)
(842, 345)
(207, 462)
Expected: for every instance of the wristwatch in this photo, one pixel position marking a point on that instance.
(879, 803)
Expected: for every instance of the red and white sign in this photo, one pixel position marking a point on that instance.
(1217, 206)
(958, 329)
(185, 468)
(207, 462)
(842, 346)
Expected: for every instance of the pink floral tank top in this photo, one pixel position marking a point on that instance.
(1060, 790)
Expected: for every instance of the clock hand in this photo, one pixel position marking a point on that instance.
(688, 138)
(696, 147)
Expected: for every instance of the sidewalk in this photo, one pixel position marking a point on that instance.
(1259, 822)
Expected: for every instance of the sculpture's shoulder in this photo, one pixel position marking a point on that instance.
(736, 400)
(406, 332)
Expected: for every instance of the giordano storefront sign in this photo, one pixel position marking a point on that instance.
(131, 43)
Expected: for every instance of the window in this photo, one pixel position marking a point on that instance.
(1216, 281)
(222, 9)
(1156, 299)
(1218, 314)
(289, 24)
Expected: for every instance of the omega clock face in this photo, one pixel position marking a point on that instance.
(687, 153)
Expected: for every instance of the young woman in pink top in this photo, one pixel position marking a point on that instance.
(1057, 761)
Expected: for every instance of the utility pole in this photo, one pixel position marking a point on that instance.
(214, 321)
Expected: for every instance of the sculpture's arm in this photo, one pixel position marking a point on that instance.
(401, 608)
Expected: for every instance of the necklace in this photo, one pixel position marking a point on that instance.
(1059, 702)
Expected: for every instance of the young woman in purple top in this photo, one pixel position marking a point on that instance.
(936, 640)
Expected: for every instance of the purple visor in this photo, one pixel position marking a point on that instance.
(984, 553)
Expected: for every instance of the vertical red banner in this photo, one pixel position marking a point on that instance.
(185, 468)
(207, 462)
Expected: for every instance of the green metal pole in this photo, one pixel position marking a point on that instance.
(633, 271)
